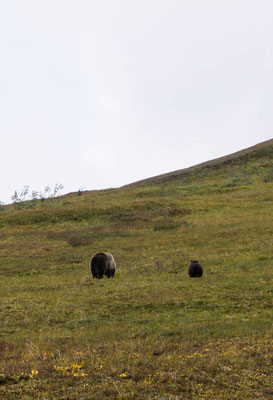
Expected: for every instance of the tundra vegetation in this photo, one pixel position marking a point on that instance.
(152, 332)
(20, 197)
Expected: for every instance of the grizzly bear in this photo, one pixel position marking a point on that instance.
(102, 264)
(195, 269)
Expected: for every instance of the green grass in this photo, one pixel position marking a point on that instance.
(151, 332)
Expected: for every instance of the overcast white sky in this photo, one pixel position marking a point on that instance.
(101, 93)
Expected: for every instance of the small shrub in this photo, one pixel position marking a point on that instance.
(80, 191)
(178, 211)
(25, 194)
(73, 237)
(123, 216)
(190, 187)
(76, 241)
(11, 379)
(233, 182)
(145, 194)
(269, 176)
(241, 178)
(20, 197)
(165, 224)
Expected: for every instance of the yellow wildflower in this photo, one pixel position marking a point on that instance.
(124, 375)
(33, 373)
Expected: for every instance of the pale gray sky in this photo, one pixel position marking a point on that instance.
(100, 93)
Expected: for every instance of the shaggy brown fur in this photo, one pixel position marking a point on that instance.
(102, 264)
(195, 269)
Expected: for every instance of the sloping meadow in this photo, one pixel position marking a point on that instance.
(151, 332)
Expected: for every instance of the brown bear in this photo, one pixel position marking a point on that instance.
(195, 269)
(102, 264)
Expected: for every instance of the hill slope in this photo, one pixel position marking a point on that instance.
(238, 157)
(151, 332)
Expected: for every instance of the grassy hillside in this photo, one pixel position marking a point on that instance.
(151, 332)
(239, 158)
